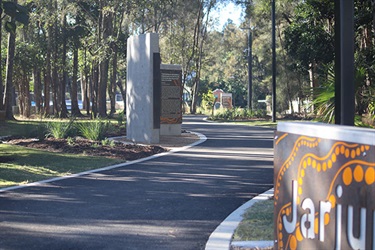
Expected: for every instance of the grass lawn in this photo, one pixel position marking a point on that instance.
(20, 128)
(257, 223)
(20, 165)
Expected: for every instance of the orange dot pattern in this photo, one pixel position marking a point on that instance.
(358, 173)
(302, 141)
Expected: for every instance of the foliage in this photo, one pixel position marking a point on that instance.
(14, 10)
(120, 118)
(324, 103)
(70, 40)
(207, 102)
(59, 130)
(107, 142)
(70, 141)
(306, 38)
(237, 114)
(95, 131)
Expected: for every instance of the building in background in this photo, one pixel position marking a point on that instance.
(222, 99)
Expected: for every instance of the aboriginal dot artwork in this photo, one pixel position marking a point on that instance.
(324, 193)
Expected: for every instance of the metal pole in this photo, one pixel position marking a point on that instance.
(250, 70)
(273, 61)
(347, 62)
(337, 64)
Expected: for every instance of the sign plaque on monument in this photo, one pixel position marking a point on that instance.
(171, 99)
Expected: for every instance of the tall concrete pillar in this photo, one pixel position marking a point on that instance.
(141, 103)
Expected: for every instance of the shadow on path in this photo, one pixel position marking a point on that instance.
(171, 202)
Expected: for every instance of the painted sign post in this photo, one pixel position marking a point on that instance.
(324, 179)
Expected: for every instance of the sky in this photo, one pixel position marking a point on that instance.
(228, 11)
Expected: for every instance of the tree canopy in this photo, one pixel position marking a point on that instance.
(62, 49)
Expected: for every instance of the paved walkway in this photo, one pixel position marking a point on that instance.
(170, 202)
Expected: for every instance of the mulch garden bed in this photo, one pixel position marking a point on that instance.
(89, 148)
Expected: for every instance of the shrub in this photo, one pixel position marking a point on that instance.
(59, 130)
(121, 118)
(238, 114)
(95, 131)
(107, 142)
(70, 141)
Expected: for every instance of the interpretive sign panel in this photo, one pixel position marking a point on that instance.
(226, 100)
(171, 95)
(324, 180)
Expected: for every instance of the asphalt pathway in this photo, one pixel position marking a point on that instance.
(170, 202)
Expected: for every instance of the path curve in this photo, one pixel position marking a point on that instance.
(170, 202)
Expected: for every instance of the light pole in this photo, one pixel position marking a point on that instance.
(249, 60)
(273, 62)
(347, 63)
(249, 69)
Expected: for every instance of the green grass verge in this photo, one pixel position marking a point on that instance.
(19, 128)
(257, 223)
(20, 165)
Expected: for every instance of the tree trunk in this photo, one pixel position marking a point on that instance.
(47, 87)
(37, 89)
(123, 93)
(104, 65)
(94, 88)
(87, 90)
(74, 89)
(201, 31)
(55, 87)
(64, 110)
(83, 89)
(55, 75)
(26, 95)
(312, 77)
(113, 80)
(48, 70)
(9, 74)
(102, 94)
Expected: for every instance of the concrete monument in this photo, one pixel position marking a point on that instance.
(143, 89)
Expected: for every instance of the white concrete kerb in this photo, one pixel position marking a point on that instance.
(202, 138)
(221, 238)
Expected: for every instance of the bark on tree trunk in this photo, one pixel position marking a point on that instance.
(123, 93)
(26, 95)
(64, 110)
(88, 87)
(113, 80)
(94, 88)
(9, 75)
(48, 72)
(47, 87)
(37, 89)
(106, 25)
(74, 90)
(312, 70)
